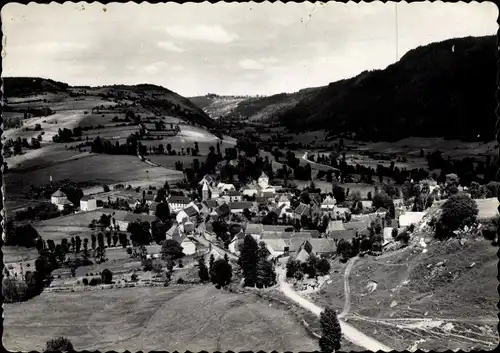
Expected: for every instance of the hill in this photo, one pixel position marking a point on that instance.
(150, 98)
(251, 109)
(433, 90)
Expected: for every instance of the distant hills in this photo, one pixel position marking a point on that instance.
(444, 89)
(153, 98)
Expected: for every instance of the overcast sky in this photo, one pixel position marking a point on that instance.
(250, 48)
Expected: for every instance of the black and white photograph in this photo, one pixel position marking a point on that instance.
(289, 177)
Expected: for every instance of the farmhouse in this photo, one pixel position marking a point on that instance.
(187, 244)
(172, 232)
(302, 210)
(88, 203)
(334, 226)
(124, 219)
(250, 190)
(60, 199)
(319, 247)
(284, 200)
(356, 225)
(342, 234)
(177, 203)
(190, 213)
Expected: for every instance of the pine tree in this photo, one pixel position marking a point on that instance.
(202, 270)
(211, 268)
(331, 333)
(265, 274)
(249, 255)
(222, 273)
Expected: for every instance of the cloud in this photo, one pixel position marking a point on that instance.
(170, 47)
(249, 64)
(215, 34)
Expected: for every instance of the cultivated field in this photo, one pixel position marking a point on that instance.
(174, 318)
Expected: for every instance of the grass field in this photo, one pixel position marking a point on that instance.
(174, 318)
(100, 168)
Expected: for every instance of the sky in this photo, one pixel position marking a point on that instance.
(231, 49)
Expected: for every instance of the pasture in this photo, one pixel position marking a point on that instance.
(98, 168)
(173, 318)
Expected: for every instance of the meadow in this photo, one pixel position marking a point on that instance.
(173, 318)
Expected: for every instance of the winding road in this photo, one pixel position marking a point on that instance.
(324, 166)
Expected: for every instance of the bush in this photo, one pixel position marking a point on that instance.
(489, 231)
(14, 290)
(133, 277)
(60, 344)
(107, 276)
(180, 281)
(458, 211)
(95, 281)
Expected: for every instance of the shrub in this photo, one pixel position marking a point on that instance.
(60, 344)
(107, 276)
(95, 281)
(14, 290)
(489, 231)
(134, 277)
(458, 211)
(180, 281)
(85, 282)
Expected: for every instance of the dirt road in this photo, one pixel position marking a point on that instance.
(347, 289)
(350, 333)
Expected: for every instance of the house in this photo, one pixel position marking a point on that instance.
(302, 210)
(88, 203)
(250, 190)
(223, 211)
(381, 212)
(319, 247)
(232, 196)
(124, 219)
(190, 213)
(284, 200)
(341, 211)
(387, 235)
(239, 207)
(342, 234)
(208, 179)
(409, 218)
(60, 199)
(367, 203)
(302, 255)
(356, 225)
(263, 181)
(214, 192)
(328, 204)
(261, 201)
(187, 244)
(255, 229)
(224, 187)
(172, 232)
(177, 203)
(334, 226)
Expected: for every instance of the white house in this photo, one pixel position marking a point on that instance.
(60, 199)
(88, 203)
(284, 200)
(328, 204)
(250, 190)
(224, 187)
(263, 181)
(232, 196)
(189, 212)
(188, 246)
(177, 203)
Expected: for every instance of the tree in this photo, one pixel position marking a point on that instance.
(94, 239)
(163, 211)
(100, 240)
(139, 232)
(171, 250)
(106, 276)
(458, 211)
(381, 199)
(331, 333)
(323, 266)
(222, 272)
(59, 344)
(292, 266)
(249, 255)
(265, 274)
(108, 239)
(202, 270)
(115, 239)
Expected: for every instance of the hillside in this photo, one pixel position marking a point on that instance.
(146, 97)
(433, 90)
(252, 109)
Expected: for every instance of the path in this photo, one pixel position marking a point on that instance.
(324, 166)
(350, 333)
(347, 289)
